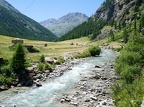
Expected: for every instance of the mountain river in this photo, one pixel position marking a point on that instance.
(51, 90)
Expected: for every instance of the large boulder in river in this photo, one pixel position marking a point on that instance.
(24, 78)
(29, 81)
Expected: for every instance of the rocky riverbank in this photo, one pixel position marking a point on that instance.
(88, 84)
(93, 90)
(40, 77)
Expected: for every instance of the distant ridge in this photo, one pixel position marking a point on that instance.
(15, 24)
(64, 24)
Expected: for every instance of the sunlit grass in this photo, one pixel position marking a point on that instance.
(52, 49)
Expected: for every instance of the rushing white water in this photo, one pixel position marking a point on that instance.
(45, 96)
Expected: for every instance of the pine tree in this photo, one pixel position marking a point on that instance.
(18, 60)
(125, 34)
(119, 26)
(112, 35)
(142, 21)
(115, 25)
(135, 27)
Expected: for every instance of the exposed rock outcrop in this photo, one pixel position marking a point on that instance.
(118, 10)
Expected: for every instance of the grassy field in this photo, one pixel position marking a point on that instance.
(52, 49)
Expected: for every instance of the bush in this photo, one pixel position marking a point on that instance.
(48, 67)
(2, 79)
(60, 60)
(6, 70)
(42, 58)
(128, 95)
(94, 50)
(128, 92)
(6, 81)
(130, 58)
(130, 72)
(82, 55)
(41, 67)
(44, 66)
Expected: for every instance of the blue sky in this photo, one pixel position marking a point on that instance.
(40, 10)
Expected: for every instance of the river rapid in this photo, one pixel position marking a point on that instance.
(52, 89)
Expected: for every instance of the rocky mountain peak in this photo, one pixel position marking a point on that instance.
(72, 17)
(65, 23)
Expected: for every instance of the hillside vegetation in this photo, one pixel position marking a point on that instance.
(15, 24)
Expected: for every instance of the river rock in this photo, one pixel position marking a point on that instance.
(87, 100)
(97, 76)
(95, 93)
(103, 78)
(38, 84)
(97, 66)
(3, 88)
(39, 76)
(74, 103)
(29, 82)
(94, 98)
(68, 99)
(103, 103)
(62, 100)
(49, 60)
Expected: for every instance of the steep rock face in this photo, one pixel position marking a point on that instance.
(118, 9)
(65, 23)
(15, 24)
(101, 13)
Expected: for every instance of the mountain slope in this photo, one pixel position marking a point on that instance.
(111, 12)
(15, 24)
(65, 23)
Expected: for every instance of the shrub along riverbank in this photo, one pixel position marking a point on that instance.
(129, 90)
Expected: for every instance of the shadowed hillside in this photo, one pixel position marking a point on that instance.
(15, 24)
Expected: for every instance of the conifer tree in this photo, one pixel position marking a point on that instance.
(112, 35)
(125, 34)
(135, 27)
(119, 26)
(18, 60)
(142, 21)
